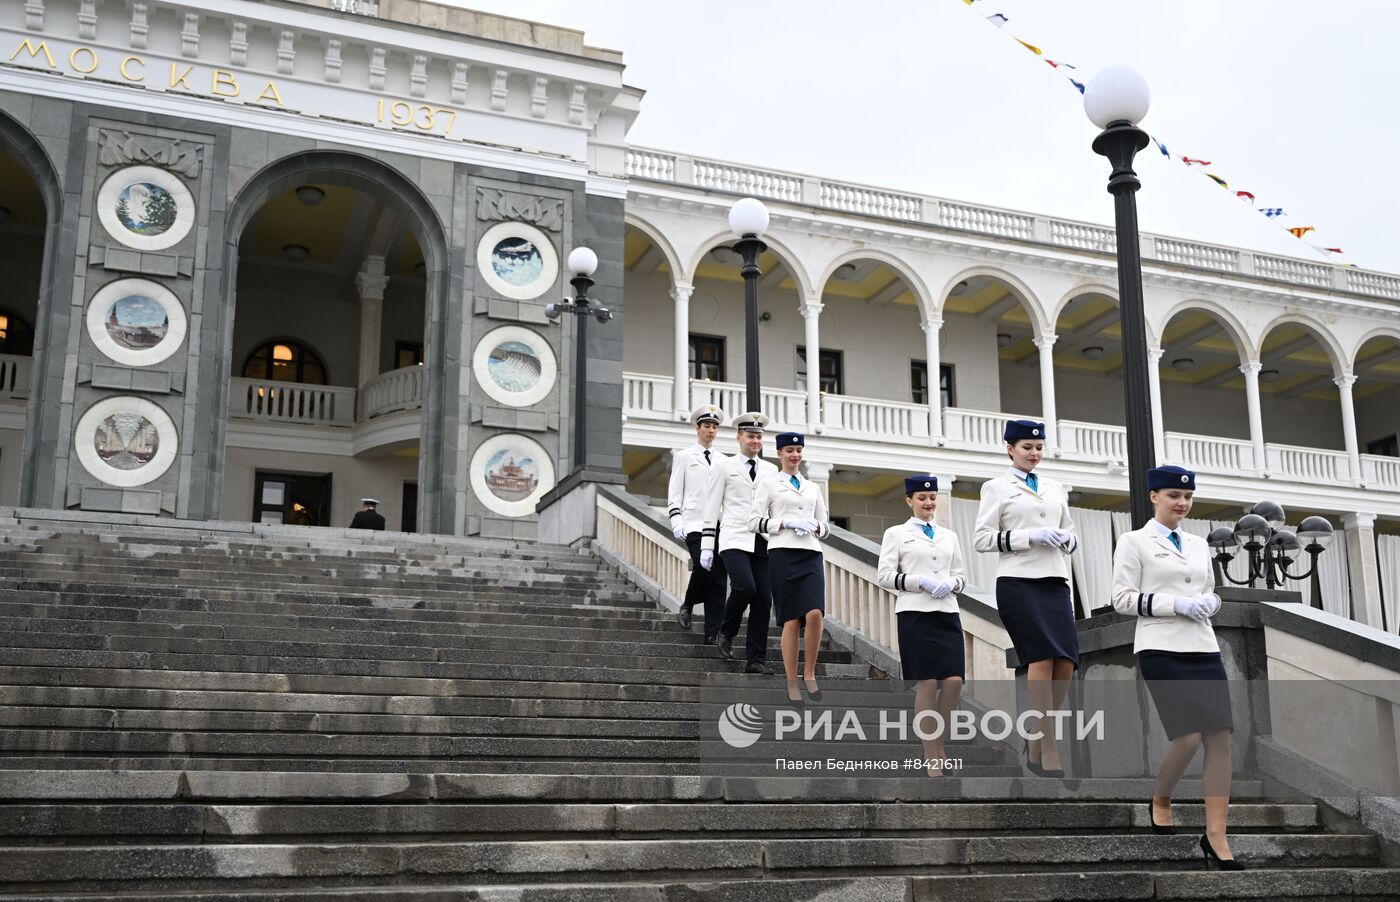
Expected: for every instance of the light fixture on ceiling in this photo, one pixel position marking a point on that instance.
(1004, 340)
(4, 214)
(724, 254)
(959, 289)
(421, 268)
(1183, 364)
(848, 476)
(310, 195)
(296, 253)
(765, 316)
(845, 271)
(1093, 352)
(1270, 375)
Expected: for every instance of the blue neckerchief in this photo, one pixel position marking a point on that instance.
(795, 483)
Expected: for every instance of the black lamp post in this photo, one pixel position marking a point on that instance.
(582, 264)
(1116, 101)
(748, 219)
(1271, 547)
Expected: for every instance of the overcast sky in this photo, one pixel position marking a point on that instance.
(1293, 100)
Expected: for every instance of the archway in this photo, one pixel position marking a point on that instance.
(1376, 396)
(1202, 386)
(1088, 360)
(1299, 401)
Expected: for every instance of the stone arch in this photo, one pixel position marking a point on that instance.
(789, 257)
(1094, 288)
(1233, 327)
(673, 260)
(42, 414)
(383, 181)
(905, 272)
(1324, 337)
(1023, 292)
(1390, 332)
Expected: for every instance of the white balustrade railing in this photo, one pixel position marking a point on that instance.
(979, 428)
(987, 221)
(1084, 237)
(646, 396)
(15, 374)
(396, 390)
(870, 202)
(1308, 464)
(743, 180)
(1380, 472)
(271, 401)
(1092, 440)
(1210, 454)
(891, 421)
(1287, 270)
(1186, 253)
(785, 408)
(659, 165)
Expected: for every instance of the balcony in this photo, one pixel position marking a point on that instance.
(871, 433)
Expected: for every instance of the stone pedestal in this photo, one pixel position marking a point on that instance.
(568, 513)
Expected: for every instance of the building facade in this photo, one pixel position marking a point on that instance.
(269, 258)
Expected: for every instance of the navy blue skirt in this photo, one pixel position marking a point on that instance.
(797, 581)
(1039, 616)
(1189, 690)
(931, 645)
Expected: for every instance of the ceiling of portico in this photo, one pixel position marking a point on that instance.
(20, 196)
(338, 232)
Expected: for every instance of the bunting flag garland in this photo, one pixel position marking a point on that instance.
(999, 20)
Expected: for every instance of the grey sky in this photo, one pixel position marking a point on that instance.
(1291, 100)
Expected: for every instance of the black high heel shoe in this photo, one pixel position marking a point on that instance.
(1031, 766)
(798, 702)
(1225, 864)
(1157, 828)
(814, 694)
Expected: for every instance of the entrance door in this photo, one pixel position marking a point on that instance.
(410, 507)
(296, 499)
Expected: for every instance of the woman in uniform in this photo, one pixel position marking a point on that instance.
(923, 564)
(791, 512)
(1163, 576)
(1024, 518)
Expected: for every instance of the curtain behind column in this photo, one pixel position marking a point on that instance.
(981, 568)
(1388, 552)
(1092, 563)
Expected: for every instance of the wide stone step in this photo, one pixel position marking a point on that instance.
(119, 822)
(98, 867)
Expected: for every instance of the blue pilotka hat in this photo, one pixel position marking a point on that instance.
(1016, 430)
(789, 438)
(920, 482)
(1170, 477)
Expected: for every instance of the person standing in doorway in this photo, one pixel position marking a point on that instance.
(743, 554)
(692, 470)
(367, 517)
(791, 512)
(1024, 518)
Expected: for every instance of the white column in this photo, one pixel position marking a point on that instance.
(1046, 343)
(370, 283)
(1154, 393)
(1256, 420)
(811, 312)
(681, 379)
(1344, 384)
(932, 328)
(1363, 571)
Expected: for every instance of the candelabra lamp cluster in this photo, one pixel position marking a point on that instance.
(1271, 548)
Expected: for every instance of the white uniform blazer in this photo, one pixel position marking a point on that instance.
(690, 483)
(1147, 572)
(776, 500)
(729, 501)
(907, 553)
(1005, 518)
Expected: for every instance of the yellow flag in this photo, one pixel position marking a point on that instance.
(1031, 47)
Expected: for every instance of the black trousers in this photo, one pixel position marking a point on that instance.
(748, 588)
(706, 587)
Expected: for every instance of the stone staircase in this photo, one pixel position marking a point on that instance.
(203, 711)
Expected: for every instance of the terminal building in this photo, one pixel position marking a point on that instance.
(265, 259)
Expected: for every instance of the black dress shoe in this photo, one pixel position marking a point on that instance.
(683, 617)
(1225, 864)
(726, 647)
(758, 667)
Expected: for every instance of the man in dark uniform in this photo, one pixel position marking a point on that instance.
(367, 517)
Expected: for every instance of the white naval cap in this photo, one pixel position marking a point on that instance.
(753, 421)
(369, 501)
(707, 413)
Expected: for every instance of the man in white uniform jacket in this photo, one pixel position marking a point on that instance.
(692, 471)
(744, 555)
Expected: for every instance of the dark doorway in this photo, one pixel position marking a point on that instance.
(295, 499)
(410, 507)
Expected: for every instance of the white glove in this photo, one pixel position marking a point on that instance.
(1213, 601)
(707, 558)
(1195, 608)
(1045, 536)
(679, 533)
(1065, 537)
(802, 526)
(938, 588)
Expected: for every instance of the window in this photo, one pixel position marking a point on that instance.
(842, 522)
(828, 369)
(1385, 447)
(16, 336)
(285, 361)
(707, 357)
(918, 382)
(297, 499)
(408, 353)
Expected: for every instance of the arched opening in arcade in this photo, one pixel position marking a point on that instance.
(1299, 402)
(1376, 397)
(1089, 378)
(327, 376)
(23, 220)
